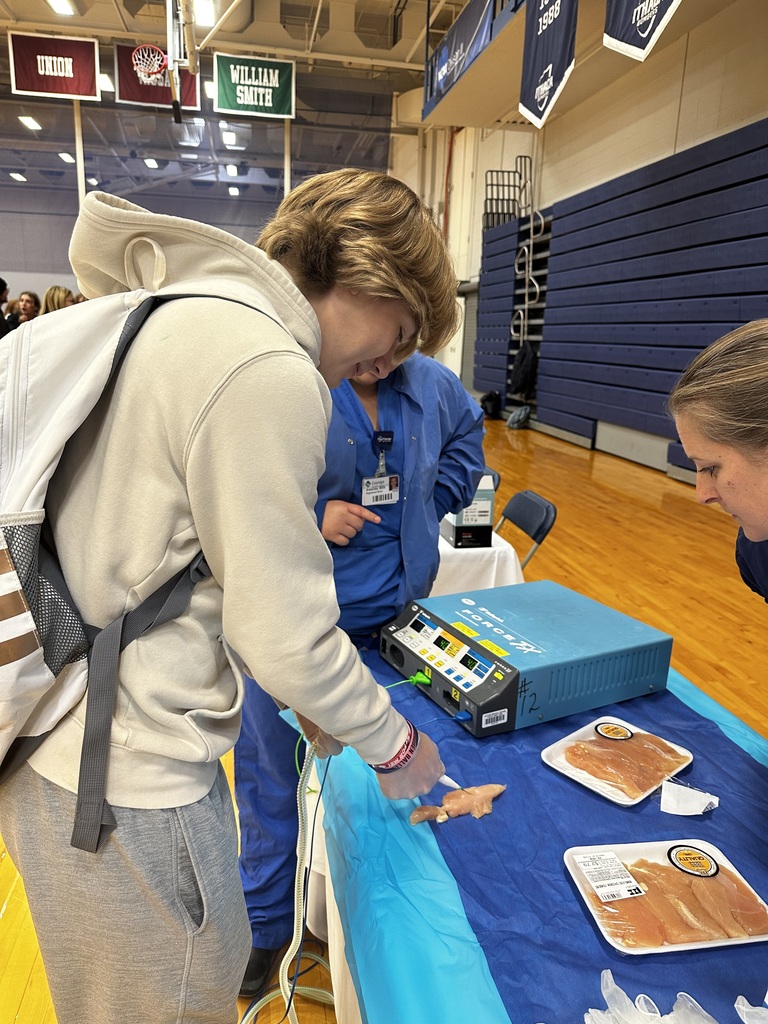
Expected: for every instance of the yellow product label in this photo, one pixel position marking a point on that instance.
(428, 671)
(498, 675)
(463, 628)
(693, 861)
(455, 694)
(613, 731)
(491, 646)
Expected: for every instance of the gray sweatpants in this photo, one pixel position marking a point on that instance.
(153, 928)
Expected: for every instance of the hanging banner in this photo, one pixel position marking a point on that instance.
(61, 66)
(548, 56)
(462, 43)
(153, 92)
(633, 26)
(254, 86)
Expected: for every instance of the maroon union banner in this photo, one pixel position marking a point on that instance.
(156, 91)
(54, 66)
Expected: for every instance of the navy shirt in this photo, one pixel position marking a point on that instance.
(752, 560)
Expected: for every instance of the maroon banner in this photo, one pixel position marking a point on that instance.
(155, 93)
(54, 66)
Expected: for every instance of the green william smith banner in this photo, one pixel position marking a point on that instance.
(253, 86)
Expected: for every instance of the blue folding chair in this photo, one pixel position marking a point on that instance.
(532, 514)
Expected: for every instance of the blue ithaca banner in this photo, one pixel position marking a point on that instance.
(550, 36)
(633, 26)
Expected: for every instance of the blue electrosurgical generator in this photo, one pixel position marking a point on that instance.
(510, 657)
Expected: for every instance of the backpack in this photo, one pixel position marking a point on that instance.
(522, 381)
(490, 403)
(53, 370)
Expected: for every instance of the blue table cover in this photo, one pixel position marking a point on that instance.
(479, 922)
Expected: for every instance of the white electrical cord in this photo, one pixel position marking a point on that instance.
(299, 887)
(288, 987)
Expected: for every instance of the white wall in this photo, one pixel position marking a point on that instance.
(705, 84)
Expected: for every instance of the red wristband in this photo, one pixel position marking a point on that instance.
(404, 754)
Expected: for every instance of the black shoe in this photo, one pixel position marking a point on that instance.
(260, 965)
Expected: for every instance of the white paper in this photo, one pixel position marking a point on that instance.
(677, 799)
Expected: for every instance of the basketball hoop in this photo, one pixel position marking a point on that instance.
(148, 62)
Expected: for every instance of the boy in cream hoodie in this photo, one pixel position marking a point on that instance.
(212, 438)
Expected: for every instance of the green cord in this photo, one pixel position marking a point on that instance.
(418, 677)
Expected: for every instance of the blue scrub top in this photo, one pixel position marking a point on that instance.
(375, 554)
(437, 453)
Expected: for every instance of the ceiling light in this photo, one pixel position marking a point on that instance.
(190, 132)
(205, 15)
(232, 170)
(63, 7)
(30, 122)
(67, 158)
(209, 88)
(105, 83)
(234, 190)
(92, 181)
(151, 162)
(189, 156)
(17, 177)
(235, 136)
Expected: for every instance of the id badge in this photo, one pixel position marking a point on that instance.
(381, 490)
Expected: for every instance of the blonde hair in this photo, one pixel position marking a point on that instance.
(367, 231)
(725, 389)
(56, 298)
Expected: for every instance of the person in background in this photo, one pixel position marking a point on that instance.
(422, 433)
(213, 440)
(4, 325)
(28, 309)
(56, 297)
(720, 408)
(12, 313)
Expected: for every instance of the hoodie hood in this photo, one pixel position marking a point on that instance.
(118, 247)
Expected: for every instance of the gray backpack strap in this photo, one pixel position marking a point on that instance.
(94, 819)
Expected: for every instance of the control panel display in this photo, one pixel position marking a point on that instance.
(465, 668)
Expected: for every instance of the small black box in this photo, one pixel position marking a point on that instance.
(467, 536)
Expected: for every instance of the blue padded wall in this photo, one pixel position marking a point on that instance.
(496, 294)
(644, 271)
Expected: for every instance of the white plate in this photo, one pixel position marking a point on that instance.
(591, 869)
(554, 756)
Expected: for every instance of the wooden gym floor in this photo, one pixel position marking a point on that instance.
(625, 535)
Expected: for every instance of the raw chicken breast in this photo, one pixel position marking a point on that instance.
(679, 908)
(635, 765)
(474, 800)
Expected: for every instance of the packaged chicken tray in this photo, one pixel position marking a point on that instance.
(616, 759)
(667, 896)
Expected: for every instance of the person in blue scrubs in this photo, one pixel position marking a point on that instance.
(720, 407)
(400, 454)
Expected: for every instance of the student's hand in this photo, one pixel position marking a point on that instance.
(418, 776)
(326, 745)
(343, 521)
